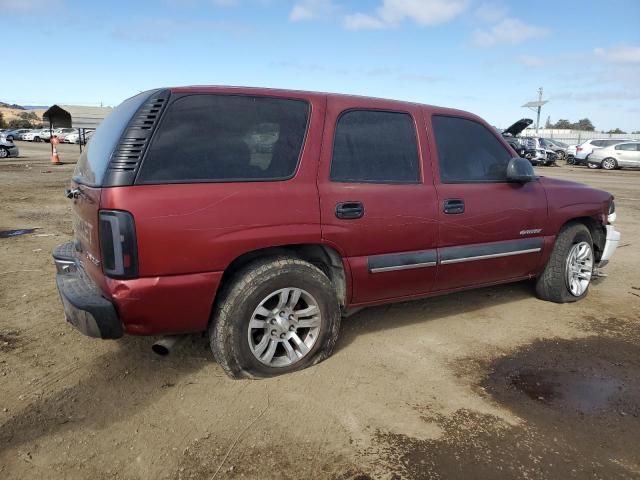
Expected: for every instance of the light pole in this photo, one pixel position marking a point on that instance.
(536, 106)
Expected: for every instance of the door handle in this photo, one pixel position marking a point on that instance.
(453, 206)
(350, 210)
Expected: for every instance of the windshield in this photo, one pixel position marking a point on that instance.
(95, 158)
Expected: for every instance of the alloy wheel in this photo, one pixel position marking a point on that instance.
(579, 268)
(284, 327)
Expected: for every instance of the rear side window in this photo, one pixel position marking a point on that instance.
(210, 138)
(468, 151)
(94, 160)
(375, 147)
(598, 143)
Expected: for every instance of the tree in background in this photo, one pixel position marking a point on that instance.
(3, 124)
(616, 130)
(19, 123)
(25, 120)
(548, 123)
(562, 123)
(583, 124)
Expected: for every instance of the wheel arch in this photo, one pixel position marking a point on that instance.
(597, 230)
(325, 257)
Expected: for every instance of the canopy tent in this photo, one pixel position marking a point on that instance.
(75, 116)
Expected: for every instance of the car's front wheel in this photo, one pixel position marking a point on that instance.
(274, 316)
(4, 153)
(567, 275)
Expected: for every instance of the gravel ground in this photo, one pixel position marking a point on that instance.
(491, 383)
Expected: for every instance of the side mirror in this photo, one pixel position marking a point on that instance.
(520, 170)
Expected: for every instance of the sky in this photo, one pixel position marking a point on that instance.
(487, 57)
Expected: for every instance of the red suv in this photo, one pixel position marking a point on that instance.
(262, 216)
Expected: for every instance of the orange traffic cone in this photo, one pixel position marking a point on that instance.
(55, 158)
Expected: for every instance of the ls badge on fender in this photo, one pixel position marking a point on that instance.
(532, 231)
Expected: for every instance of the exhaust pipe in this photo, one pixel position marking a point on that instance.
(166, 345)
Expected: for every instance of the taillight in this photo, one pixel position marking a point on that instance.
(118, 244)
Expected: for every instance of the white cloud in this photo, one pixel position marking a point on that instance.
(619, 54)
(532, 61)
(491, 12)
(29, 5)
(312, 9)
(508, 31)
(360, 21)
(393, 12)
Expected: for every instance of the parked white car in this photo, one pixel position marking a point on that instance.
(586, 148)
(615, 156)
(34, 135)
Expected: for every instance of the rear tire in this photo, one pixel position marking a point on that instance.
(609, 164)
(555, 283)
(250, 309)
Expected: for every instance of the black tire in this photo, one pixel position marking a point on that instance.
(4, 153)
(551, 285)
(229, 326)
(609, 164)
(571, 160)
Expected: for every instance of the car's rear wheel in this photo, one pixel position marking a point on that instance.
(609, 164)
(567, 275)
(275, 316)
(570, 160)
(4, 153)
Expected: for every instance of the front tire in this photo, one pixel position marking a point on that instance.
(4, 153)
(609, 164)
(567, 275)
(275, 316)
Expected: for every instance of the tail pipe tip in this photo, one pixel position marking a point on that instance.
(166, 345)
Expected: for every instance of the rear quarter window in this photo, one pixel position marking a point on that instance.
(94, 160)
(226, 138)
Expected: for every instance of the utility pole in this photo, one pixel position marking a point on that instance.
(537, 107)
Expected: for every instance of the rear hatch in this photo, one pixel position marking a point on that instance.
(94, 171)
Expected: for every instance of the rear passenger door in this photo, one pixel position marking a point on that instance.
(377, 201)
(490, 230)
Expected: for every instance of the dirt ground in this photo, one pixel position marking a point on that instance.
(491, 383)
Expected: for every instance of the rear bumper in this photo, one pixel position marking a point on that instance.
(84, 305)
(162, 305)
(610, 245)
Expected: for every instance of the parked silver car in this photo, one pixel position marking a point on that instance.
(7, 148)
(615, 156)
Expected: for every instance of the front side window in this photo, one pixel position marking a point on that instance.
(468, 151)
(375, 147)
(209, 138)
